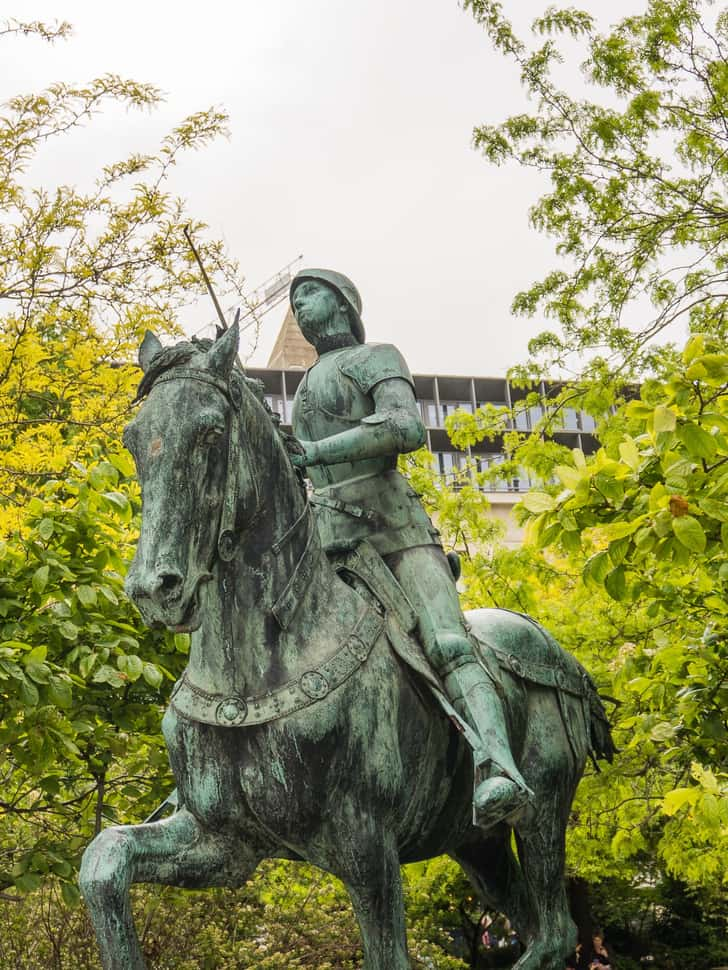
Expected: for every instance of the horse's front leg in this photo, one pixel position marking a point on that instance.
(375, 887)
(177, 851)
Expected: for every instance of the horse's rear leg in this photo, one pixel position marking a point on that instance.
(488, 861)
(375, 887)
(176, 851)
(541, 848)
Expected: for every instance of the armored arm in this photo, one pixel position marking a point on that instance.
(395, 427)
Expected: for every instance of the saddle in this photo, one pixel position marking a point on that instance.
(522, 649)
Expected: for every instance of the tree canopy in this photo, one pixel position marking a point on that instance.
(626, 559)
(83, 272)
(637, 163)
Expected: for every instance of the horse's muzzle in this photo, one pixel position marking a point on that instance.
(160, 597)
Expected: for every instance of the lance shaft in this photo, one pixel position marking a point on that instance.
(206, 278)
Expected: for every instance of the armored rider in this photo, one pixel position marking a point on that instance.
(354, 412)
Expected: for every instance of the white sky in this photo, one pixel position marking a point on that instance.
(351, 143)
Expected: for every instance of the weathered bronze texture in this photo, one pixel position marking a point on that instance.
(300, 728)
(355, 411)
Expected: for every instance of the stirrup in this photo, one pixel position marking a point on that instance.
(499, 799)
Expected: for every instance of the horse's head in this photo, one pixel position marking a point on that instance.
(196, 487)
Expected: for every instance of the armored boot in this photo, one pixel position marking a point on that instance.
(500, 793)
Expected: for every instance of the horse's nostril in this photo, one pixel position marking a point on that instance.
(170, 584)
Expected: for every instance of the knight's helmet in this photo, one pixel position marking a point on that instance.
(343, 286)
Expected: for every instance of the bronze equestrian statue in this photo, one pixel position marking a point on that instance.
(310, 723)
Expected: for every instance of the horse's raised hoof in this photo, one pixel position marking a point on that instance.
(498, 800)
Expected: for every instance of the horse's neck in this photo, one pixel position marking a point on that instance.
(248, 641)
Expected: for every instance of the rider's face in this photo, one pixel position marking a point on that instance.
(316, 307)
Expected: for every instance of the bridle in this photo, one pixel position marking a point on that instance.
(239, 478)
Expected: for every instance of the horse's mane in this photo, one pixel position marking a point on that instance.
(180, 354)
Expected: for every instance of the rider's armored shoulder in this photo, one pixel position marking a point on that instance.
(370, 364)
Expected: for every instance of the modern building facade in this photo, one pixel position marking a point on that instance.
(438, 396)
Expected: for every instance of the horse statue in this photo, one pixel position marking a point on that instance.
(298, 731)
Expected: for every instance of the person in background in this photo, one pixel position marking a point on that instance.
(599, 956)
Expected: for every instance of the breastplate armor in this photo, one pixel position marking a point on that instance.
(376, 501)
(328, 402)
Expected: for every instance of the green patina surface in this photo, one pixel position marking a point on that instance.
(297, 731)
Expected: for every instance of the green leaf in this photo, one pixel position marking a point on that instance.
(71, 895)
(59, 693)
(86, 595)
(29, 692)
(37, 655)
(152, 675)
(620, 529)
(68, 630)
(124, 463)
(538, 502)
(615, 583)
(689, 532)
(665, 418)
(118, 499)
(40, 579)
(570, 477)
(109, 594)
(597, 567)
(131, 665)
(40, 673)
(662, 731)
(102, 475)
(716, 510)
(629, 453)
(29, 882)
(45, 529)
(618, 550)
(182, 642)
(699, 442)
(107, 675)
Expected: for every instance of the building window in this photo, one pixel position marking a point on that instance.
(522, 422)
(450, 407)
(571, 419)
(429, 413)
(276, 404)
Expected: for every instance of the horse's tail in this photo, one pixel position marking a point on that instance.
(601, 743)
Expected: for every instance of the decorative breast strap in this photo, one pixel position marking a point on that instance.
(196, 704)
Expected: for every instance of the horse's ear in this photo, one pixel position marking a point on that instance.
(148, 351)
(221, 356)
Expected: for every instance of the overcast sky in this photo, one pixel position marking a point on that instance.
(351, 144)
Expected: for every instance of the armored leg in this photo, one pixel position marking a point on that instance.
(500, 793)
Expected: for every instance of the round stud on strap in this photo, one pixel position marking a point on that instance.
(359, 648)
(314, 685)
(233, 710)
(516, 665)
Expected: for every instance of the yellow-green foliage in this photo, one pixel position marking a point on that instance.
(83, 271)
(627, 564)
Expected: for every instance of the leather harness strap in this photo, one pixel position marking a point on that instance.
(195, 704)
